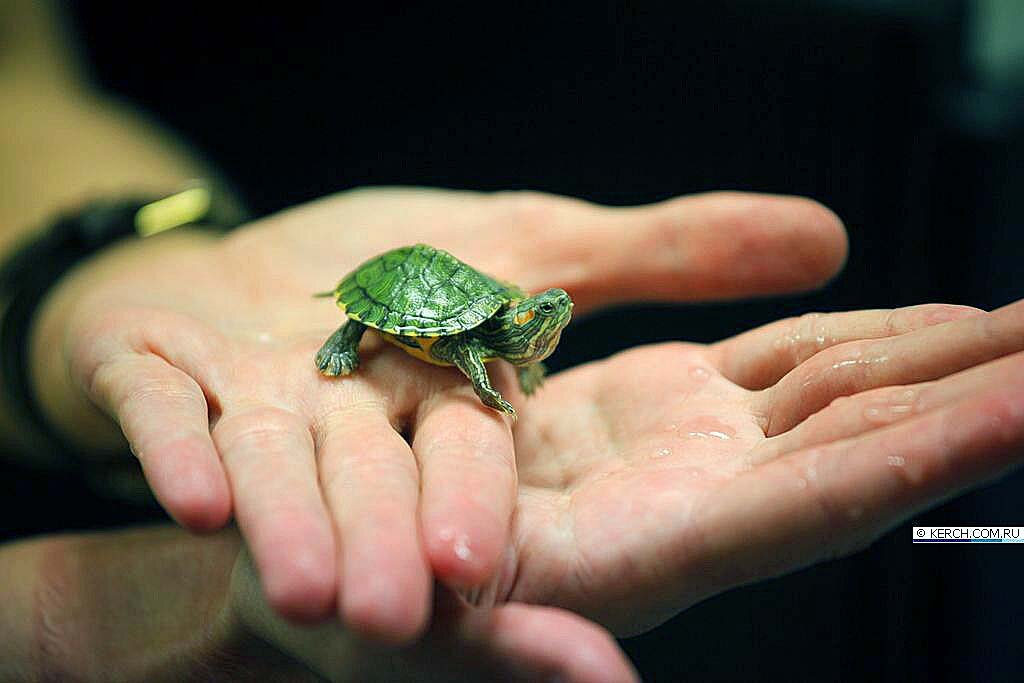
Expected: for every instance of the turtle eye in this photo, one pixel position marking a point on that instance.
(546, 308)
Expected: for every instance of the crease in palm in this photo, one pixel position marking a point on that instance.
(637, 485)
(615, 481)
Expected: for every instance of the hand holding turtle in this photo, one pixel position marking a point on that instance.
(201, 351)
(669, 473)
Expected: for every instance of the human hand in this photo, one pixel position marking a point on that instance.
(669, 473)
(160, 604)
(201, 350)
(510, 642)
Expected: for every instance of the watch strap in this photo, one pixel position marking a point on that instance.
(33, 269)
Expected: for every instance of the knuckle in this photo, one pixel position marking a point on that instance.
(892, 322)
(899, 321)
(936, 314)
(167, 390)
(803, 336)
(264, 429)
(472, 448)
(102, 380)
(348, 410)
(370, 465)
(812, 331)
(125, 384)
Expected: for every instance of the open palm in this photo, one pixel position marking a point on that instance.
(354, 492)
(669, 473)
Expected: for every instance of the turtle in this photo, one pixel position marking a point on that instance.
(443, 311)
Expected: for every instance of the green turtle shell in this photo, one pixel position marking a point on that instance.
(421, 291)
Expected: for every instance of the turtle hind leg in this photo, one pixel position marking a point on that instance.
(340, 353)
(531, 377)
(467, 356)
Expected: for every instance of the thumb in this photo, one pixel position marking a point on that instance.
(720, 245)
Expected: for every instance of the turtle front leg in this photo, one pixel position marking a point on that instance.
(340, 353)
(467, 355)
(531, 377)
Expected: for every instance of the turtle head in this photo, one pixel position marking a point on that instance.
(530, 329)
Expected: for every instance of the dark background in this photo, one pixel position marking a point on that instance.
(878, 109)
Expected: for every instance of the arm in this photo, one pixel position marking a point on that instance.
(61, 142)
(158, 604)
(140, 605)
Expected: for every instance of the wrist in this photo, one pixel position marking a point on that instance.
(140, 605)
(36, 273)
(18, 578)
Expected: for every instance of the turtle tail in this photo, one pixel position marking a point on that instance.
(323, 295)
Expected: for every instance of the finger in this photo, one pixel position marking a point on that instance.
(832, 500)
(719, 245)
(762, 356)
(371, 484)
(554, 643)
(163, 414)
(268, 455)
(854, 415)
(468, 472)
(511, 642)
(919, 356)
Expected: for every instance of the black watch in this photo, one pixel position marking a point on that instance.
(39, 263)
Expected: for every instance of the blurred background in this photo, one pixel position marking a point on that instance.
(905, 117)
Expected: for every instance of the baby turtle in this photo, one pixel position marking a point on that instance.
(440, 310)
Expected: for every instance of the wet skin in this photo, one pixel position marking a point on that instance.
(756, 455)
(354, 495)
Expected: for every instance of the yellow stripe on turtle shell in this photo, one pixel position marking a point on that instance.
(422, 350)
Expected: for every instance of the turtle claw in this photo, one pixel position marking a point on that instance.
(334, 363)
(508, 410)
(498, 403)
(339, 355)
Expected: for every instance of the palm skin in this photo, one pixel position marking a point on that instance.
(352, 493)
(611, 495)
(669, 473)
